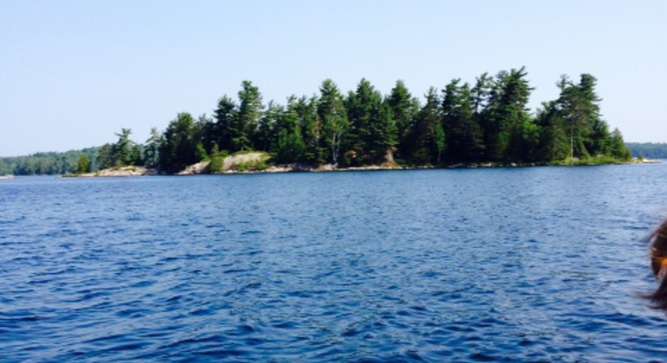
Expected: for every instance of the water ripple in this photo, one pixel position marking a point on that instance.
(535, 265)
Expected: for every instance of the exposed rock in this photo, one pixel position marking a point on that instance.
(245, 160)
(279, 169)
(121, 171)
(6, 177)
(325, 167)
(196, 169)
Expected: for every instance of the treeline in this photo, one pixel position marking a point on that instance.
(46, 162)
(486, 121)
(648, 150)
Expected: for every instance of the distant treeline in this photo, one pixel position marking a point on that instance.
(648, 149)
(463, 123)
(46, 162)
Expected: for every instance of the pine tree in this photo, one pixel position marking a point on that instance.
(372, 129)
(360, 106)
(151, 150)
(179, 148)
(105, 157)
(617, 146)
(463, 131)
(404, 108)
(250, 112)
(121, 151)
(506, 115)
(290, 147)
(311, 130)
(429, 134)
(383, 134)
(83, 166)
(332, 114)
(225, 129)
(267, 131)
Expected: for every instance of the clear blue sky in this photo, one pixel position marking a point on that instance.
(75, 72)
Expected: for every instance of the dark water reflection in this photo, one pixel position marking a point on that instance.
(539, 264)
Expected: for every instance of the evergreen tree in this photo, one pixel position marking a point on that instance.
(152, 149)
(553, 140)
(226, 128)
(83, 166)
(332, 113)
(122, 151)
(265, 137)
(403, 108)
(463, 131)
(206, 127)
(372, 129)
(429, 134)
(480, 93)
(179, 148)
(488, 122)
(136, 157)
(383, 134)
(617, 147)
(506, 116)
(105, 157)
(250, 112)
(311, 130)
(290, 146)
(360, 105)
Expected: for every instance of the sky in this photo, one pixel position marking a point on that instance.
(72, 73)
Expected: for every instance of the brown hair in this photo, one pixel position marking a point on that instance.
(659, 266)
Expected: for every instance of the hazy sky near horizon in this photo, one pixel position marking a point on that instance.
(74, 72)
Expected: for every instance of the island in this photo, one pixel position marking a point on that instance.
(486, 123)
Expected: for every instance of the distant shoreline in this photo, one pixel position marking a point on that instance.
(133, 171)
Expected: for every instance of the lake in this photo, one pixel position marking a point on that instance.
(524, 264)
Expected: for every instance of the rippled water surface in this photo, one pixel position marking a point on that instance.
(536, 264)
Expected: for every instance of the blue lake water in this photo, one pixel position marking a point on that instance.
(529, 264)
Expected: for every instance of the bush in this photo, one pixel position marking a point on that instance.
(217, 162)
(589, 161)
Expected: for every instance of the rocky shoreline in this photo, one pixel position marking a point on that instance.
(202, 168)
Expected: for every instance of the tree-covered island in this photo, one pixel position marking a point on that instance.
(483, 123)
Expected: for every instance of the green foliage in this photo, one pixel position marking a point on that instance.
(617, 148)
(488, 121)
(83, 166)
(217, 161)
(250, 112)
(290, 147)
(124, 152)
(504, 115)
(429, 134)
(179, 147)
(152, 149)
(372, 127)
(588, 161)
(47, 162)
(403, 110)
(461, 126)
(333, 115)
(226, 128)
(311, 130)
(200, 152)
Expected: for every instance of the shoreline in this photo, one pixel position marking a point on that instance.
(125, 172)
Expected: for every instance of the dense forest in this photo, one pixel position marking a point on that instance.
(648, 150)
(46, 162)
(486, 121)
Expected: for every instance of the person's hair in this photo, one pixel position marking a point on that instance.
(659, 266)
